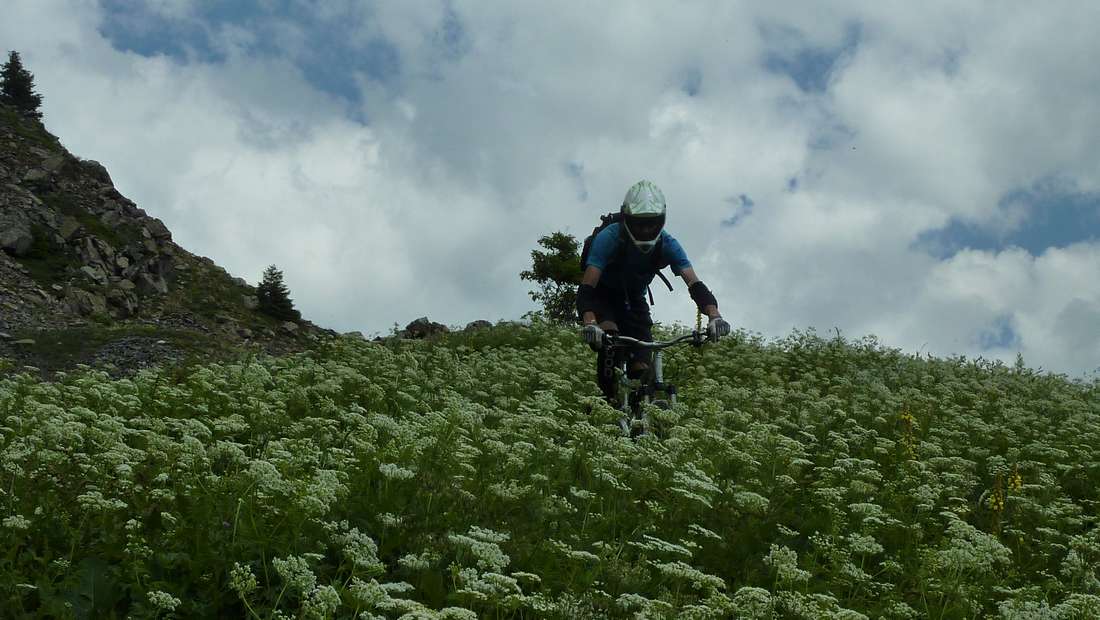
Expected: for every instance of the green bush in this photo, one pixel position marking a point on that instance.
(274, 298)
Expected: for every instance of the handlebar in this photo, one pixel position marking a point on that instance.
(696, 339)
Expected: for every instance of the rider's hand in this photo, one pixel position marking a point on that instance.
(716, 328)
(593, 335)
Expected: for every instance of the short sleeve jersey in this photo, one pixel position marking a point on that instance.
(635, 271)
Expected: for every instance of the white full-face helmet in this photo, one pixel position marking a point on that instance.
(644, 215)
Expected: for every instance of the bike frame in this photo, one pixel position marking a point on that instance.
(633, 397)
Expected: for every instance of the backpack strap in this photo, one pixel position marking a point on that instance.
(658, 258)
(664, 279)
(620, 256)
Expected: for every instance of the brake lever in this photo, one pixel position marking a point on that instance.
(697, 339)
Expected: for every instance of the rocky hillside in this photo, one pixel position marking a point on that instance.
(86, 276)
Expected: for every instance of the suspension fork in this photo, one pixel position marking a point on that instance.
(607, 363)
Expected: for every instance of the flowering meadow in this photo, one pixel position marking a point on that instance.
(479, 476)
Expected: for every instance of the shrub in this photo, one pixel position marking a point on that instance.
(274, 297)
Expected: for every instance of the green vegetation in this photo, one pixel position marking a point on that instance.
(17, 87)
(557, 272)
(46, 260)
(479, 476)
(274, 297)
(205, 293)
(118, 236)
(33, 132)
(208, 292)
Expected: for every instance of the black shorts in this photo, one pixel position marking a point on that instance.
(631, 315)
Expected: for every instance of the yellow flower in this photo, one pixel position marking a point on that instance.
(1016, 482)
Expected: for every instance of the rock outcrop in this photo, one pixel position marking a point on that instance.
(423, 328)
(75, 252)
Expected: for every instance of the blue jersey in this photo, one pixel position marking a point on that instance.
(635, 271)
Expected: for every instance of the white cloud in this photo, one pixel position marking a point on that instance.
(433, 207)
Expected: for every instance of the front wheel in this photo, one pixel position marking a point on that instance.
(638, 421)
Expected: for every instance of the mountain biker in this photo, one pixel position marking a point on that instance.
(620, 266)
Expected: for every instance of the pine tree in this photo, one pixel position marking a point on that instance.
(274, 297)
(557, 272)
(17, 87)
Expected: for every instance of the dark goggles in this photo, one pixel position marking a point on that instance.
(645, 228)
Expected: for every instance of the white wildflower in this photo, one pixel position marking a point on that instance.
(970, 550)
(752, 503)
(573, 554)
(531, 577)
(296, 572)
(324, 491)
(902, 611)
(393, 471)
(487, 535)
(487, 554)
(1026, 610)
(397, 587)
(785, 563)
(1079, 606)
(631, 601)
(753, 602)
(241, 579)
(690, 574)
(17, 522)
(388, 519)
(456, 613)
(500, 584)
(704, 532)
(423, 561)
(163, 600)
(652, 543)
(360, 549)
(322, 602)
(581, 494)
(864, 545)
(369, 594)
(265, 475)
(692, 495)
(94, 501)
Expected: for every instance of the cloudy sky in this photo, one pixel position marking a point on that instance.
(925, 172)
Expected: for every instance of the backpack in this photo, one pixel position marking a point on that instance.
(614, 218)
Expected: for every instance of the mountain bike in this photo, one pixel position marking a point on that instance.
(649, 388)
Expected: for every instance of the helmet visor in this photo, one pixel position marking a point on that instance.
(645, 228)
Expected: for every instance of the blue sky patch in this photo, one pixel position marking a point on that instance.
(810, 67)
(999, 335)
(952, 61)
(829, 136)
(692, 82)
(451, 38)
(575, 171)
(1052, 213)
(131, 28)
(331, 57)
(743, 206)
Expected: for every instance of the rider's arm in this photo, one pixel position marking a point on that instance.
(690, 278)
(590, 279)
